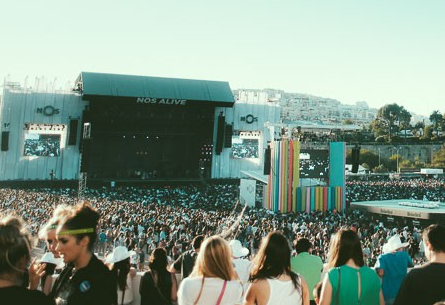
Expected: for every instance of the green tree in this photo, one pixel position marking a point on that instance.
(390, 119)
(347, 122)
(437, 119)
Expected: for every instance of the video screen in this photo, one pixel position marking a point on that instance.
(314, 163)
(244, 148)
(42, 145)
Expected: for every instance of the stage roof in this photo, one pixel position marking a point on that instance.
(132, 86)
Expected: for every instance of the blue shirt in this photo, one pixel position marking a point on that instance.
(395, 267)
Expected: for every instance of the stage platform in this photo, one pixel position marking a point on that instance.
(417, 209)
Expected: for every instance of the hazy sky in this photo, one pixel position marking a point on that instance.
(379, 51)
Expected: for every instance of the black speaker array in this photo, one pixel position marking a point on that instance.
(5, 140)
(87, 145)
(72, 137)
(355, 159)
(220, 134)
(267, 153)
(228, 136)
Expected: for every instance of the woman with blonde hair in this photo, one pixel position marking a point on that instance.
(349, 281)
(213, 280)
(272, 279)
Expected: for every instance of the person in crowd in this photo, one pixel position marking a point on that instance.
(140, 259)
(48, 231)
(424, 285)
(307, 265)
(316, 292)
(85, 279)
(51, 264)
(15, 256)
(272, 279)
(349, 281)
(392, 267)
(242, 265)
(119, 261)
(186, 261)
(213, 280)
(158, 286)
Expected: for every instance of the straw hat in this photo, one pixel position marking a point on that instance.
(119, 254)
(237, 249)
(48, 258)
(393, 244)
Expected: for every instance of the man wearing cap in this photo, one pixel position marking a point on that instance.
(242, 266)
(392, 267)
(424, 285)
(307, 265)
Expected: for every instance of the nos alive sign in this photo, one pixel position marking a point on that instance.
(159, 101)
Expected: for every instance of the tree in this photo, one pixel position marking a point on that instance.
(437, 119)
(348, 122)
(439, 158)
(390, 119)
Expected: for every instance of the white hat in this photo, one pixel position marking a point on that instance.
(393, 244)
(237, 249)
(49, 258)
(119, 254)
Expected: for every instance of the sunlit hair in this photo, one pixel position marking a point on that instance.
(215, 259)
(59, 213)
(14, 246)
(273, 259)
(345, 245)
(81, 216)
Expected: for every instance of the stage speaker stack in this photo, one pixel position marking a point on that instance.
(87, 145)
(355, 159)
(220, 134)
(5, 140)
(228, 136)
(267, 153)
(72, 137)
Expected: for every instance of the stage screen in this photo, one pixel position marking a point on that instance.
(243, 148)
(314, 163)
(41, 145)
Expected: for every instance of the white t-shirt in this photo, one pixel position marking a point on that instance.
(190, 286)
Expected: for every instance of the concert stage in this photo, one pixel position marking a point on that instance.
(406, 208)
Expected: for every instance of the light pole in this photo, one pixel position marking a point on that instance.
(397, 152)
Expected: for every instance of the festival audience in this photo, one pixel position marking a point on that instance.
(213, 280)
(272, 279)
(348, 280)
(158, 286)
(424, 285)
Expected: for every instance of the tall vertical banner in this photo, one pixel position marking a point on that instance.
(337, 175)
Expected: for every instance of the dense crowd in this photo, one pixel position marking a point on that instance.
(148, 217)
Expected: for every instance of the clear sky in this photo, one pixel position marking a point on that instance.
(379, 51)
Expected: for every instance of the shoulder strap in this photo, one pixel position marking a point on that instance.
(161, 295)
(221, 293)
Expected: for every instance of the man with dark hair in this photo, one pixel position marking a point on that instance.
(307, 265)
(186, 261)
(424, 285)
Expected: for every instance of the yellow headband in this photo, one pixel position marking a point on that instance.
(74, 232)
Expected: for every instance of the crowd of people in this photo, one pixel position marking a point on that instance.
(158, 224)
